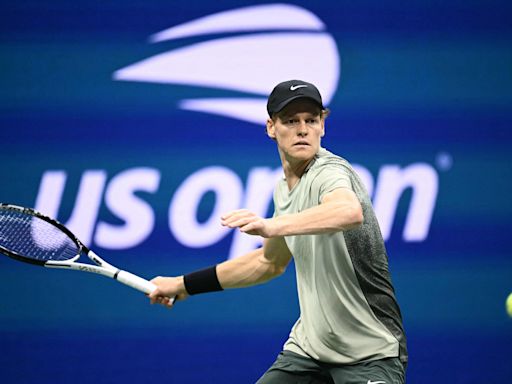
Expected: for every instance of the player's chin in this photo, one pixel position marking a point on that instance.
(303, 152)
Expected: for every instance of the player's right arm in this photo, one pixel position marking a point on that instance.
(255, 267)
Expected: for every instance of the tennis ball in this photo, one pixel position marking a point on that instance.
(509, 305)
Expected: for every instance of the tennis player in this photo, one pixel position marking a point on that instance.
(350, 326)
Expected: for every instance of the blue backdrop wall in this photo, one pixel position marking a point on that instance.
(138, 123)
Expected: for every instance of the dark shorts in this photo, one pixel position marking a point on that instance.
(290, 368)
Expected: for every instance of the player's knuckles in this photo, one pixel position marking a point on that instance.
(157, 280)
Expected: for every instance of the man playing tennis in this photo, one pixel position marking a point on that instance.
(350, 327)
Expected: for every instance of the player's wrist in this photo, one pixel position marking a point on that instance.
(276, 226)
(202, 281)
(180, 281)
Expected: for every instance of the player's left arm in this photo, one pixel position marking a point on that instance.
(339, 210)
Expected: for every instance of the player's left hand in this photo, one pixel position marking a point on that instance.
(248, 222)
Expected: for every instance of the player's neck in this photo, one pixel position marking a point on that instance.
(293, 169)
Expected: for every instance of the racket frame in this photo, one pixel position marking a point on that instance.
(101, 268)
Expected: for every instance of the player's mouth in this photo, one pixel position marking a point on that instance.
(301, 143)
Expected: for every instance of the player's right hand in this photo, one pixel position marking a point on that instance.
(169, 290)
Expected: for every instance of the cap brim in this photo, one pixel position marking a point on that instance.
(283, 104)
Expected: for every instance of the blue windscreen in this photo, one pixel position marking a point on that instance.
(137, 124)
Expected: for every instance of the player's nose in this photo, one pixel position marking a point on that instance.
(302, 128)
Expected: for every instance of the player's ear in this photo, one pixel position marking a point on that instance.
(323, 116)
(271, 132)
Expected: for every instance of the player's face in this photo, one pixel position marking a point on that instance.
(298, 130)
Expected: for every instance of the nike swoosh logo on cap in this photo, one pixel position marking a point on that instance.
(294, 87)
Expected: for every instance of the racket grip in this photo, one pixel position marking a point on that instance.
(136, 282)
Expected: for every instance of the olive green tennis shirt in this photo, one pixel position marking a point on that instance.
(348, 310)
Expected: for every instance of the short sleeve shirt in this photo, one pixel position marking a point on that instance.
(344, 288)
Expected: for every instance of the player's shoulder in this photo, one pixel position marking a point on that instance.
(325, 159)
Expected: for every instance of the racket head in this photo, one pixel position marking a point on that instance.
(29, 236)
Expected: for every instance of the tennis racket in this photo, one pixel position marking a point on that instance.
(29, 236)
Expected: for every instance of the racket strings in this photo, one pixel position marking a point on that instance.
(29, 236)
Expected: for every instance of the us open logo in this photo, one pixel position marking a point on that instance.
(260, 46)
(275, 42)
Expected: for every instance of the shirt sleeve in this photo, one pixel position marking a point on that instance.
(331, 178)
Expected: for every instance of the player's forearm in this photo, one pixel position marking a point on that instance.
(323, 218)
(247, 270)
(253, 268)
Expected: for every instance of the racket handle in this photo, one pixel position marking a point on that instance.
(136, 282)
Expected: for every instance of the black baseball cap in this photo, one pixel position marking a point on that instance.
(290, 90)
